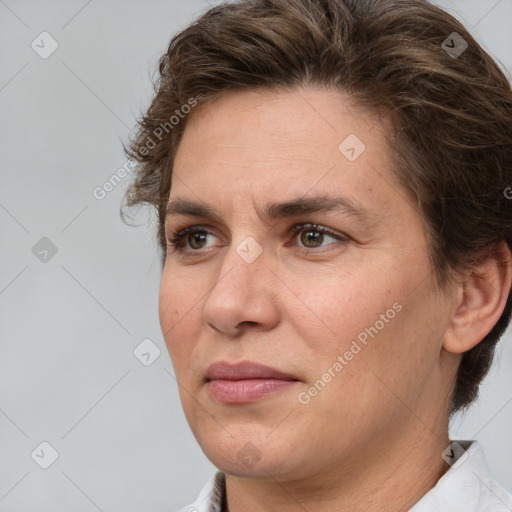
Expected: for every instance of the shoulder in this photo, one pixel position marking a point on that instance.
(495, 498)
(467, 486)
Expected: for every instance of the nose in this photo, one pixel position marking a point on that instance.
(242, 293)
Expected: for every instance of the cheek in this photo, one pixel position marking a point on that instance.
(400, 357)
(370, 318)
(177, 314)
(338, 307)
(377, 381)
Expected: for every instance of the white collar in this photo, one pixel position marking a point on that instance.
(466, 487)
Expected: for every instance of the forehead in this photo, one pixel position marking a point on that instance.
(280, 116)
(283, 144)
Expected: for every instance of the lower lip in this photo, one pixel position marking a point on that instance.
(247, 390)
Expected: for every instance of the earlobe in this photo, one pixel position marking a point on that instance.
(481, 298)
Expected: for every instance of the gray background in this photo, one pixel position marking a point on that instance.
(69, 325)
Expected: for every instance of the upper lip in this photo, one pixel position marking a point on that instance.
(244, 370)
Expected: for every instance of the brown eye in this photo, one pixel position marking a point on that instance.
(311, 238)
(196, 240)
(188, 240)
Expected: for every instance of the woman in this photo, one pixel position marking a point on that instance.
(331, 178)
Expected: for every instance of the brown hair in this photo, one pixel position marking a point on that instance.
(451, 114)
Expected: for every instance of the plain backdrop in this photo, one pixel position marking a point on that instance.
(79, 289)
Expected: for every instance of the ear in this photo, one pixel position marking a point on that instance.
(480, 300)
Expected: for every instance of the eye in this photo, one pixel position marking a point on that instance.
(192, 239)
(194, 236)
(313, 235)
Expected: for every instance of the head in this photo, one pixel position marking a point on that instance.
(266, 102)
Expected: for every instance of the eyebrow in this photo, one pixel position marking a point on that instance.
(290, 208)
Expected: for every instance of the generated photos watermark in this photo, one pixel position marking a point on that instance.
(304, 397)
(100, 192)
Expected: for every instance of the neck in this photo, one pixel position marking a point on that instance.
(389, 475)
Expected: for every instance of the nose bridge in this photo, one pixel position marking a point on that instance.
(241, 263)
(245, 254)
(239, 285)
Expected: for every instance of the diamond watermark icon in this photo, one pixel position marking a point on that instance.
(249, 454)
(454, 455)
(454, 45)
(146, 352)
(249, 249)
(44, 45)
(44, 250)
(351, 147)
(45, 455)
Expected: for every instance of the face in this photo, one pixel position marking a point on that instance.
(340, 300)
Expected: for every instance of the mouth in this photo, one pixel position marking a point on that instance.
(245, 382)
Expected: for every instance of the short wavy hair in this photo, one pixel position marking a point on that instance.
(450, 108)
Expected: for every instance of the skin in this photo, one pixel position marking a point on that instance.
(372, 438)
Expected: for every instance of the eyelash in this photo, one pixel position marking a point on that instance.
(177, 240)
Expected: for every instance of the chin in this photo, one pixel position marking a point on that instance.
(252, 454)
(248, 468)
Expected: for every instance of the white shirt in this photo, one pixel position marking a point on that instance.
(466, 487)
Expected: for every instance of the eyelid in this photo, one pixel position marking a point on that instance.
(179, 236)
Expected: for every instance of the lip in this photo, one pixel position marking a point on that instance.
(244, 370)
(245, 382)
